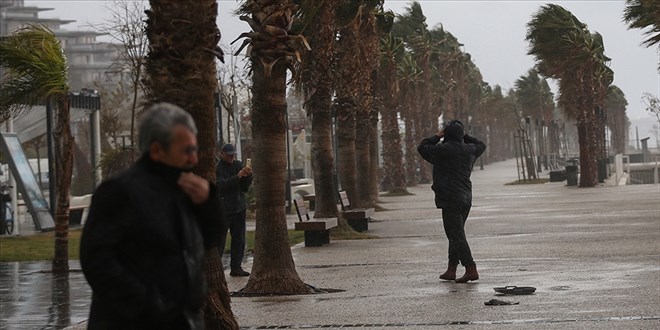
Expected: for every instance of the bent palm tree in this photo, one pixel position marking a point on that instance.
(565, 50)
(38, 71)
(644, 14)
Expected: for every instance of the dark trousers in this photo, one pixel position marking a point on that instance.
(236, 229)
(454, 223)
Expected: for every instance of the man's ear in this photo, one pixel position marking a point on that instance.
(156, 151)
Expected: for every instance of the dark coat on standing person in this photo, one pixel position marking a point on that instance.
(142, 250)
(232, 188)
(452, 166)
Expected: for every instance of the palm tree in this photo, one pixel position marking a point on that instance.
(369, 31)
(410, 81)
(388, 89)
(180, 69)
(536, 101)
(617, 121)
(316, 82)
(273, 50)
(566, 50)
(644, 14)
(349, 62)
(534, 96)
(37, 72)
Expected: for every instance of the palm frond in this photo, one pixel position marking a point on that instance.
(644, 15)
(37, 68)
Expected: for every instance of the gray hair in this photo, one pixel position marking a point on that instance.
(158, 122)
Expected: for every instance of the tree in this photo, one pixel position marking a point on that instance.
(617, 121)
(348, 65)
(566, 50)
(273, 50)
(37, 72)
(535, 97)
(369, 31)
(409, 78)
(180, 69)
(388, 91)
(644, 14)
(126, 28)
(652, 105)
(316, 83)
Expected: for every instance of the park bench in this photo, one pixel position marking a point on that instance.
(317, 231)
(78, 207)
(358, 219)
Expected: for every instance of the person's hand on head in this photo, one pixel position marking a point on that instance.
(194, 186)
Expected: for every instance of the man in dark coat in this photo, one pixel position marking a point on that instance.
(233, 180)
(452, 165)
(143, 243)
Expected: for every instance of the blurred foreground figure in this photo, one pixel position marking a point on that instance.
(452, 165)
(143, 243)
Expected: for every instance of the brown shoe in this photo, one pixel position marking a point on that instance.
(450, 273)
(470, 274)
(238, 272)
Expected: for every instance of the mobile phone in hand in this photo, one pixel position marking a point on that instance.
(248, 162)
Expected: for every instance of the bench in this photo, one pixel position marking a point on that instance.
(78, 206)
(358, 219)
(317, 231)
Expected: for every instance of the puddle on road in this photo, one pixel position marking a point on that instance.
(34, 298)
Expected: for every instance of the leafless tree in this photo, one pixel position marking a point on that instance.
(126, 29)
(652, 105)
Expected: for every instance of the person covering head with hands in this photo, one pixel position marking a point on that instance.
(233, 180)
(143, 243)
(452, 161)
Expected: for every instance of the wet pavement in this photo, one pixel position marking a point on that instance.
(31, 297)
(592, 253)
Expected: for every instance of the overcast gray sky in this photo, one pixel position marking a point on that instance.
(492, 31)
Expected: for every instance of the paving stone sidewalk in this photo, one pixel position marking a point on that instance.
(592, 253)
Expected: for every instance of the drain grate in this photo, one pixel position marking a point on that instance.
(449, 323)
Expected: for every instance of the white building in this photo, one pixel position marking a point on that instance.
(89, 60)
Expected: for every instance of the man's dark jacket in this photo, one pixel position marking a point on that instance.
(142, 250)
(452, 165)
(232, 188)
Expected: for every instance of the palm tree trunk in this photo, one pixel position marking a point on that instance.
(363, 159)
(374, 152)
(273, 271)
(388, 91)
(188, 27)
(346, 105)
(64, 167)
(318, 88)
(411, 152)
(217, 309)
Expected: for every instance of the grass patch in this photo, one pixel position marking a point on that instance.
(341, 233)
(528, 181)
(295, 237)
(397, 193)
(39, 246)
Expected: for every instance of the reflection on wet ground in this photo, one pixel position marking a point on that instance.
(32, 297)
